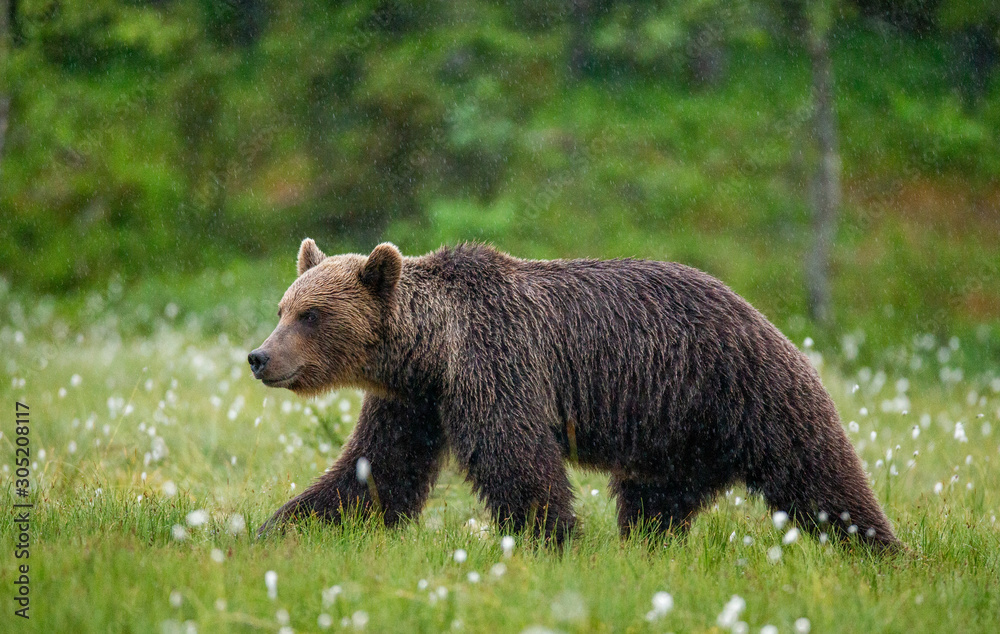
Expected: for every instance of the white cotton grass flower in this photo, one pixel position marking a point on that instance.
(359, 620)
(217, 555)
(477, 529)
(569, 606)
(960, 432)
(176, 598)
(780, 518)
(473, 577)
(283, 616)
(498, 569)
(169, 488)
(802, 625)
(731, 612)
(178, 532)
(220, 605)
(460, 556)
(330, 594)
(197, 518)
(774, 554)
(791, 536)
(324, 621)
(363, 469)
(271, 582)
(769, 629)
(236, 524)
(663, 602)
(507, 544)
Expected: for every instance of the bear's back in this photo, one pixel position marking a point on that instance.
(603, 319)
(627, 295)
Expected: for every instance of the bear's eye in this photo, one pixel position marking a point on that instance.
(309, 317)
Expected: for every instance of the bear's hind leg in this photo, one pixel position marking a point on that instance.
(825, 490)
(661, 508)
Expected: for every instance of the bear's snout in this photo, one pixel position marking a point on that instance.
(258, 361)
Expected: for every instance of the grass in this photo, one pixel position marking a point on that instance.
(163, 420)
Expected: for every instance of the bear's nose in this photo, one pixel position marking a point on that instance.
(258, 359)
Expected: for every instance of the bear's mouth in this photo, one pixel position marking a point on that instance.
(280, 380)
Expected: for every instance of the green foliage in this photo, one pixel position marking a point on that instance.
(963, 13)
(165, 138)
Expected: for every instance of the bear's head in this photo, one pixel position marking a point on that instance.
(330, 320)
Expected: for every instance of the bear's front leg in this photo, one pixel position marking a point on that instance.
(401, 441)
(516, 466)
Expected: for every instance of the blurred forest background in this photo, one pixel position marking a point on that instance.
(159, 139)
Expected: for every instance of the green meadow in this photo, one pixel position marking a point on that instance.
(155, 455)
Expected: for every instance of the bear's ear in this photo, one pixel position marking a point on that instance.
(309, 255)
(381, 271)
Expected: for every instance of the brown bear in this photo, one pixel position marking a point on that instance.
(654, 372)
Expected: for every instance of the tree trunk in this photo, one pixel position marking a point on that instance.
(4, 112)
(6, 11)
(579, 44)
(826, 181)
(707, 56)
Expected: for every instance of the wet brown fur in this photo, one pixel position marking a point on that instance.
(653, 372)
